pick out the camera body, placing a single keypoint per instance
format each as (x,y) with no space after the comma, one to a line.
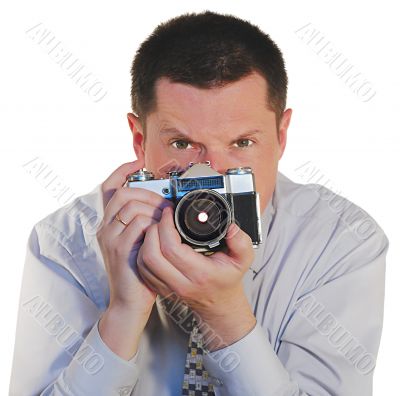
(207,202)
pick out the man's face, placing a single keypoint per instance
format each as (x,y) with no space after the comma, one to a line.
(230,127)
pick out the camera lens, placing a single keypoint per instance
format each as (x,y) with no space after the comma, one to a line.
(202,216)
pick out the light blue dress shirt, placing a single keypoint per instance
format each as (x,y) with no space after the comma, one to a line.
(316,288)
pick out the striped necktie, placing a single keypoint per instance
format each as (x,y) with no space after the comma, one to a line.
(195,381)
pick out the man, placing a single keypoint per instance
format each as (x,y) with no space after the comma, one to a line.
(111,307)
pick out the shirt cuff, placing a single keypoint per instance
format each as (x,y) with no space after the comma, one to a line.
(247,367)
(96,370)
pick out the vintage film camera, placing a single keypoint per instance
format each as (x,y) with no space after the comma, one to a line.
(206,202)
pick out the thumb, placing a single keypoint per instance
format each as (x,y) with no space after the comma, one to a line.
(118,178)
(240,245)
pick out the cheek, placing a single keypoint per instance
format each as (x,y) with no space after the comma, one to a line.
(155,155)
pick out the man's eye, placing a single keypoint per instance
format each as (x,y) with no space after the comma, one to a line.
(243,143)
(180,144)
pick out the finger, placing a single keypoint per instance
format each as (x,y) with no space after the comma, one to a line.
(132,208)
(118,178)
(133,234)
(126,194)
(155,262)
(179,254)
(150,280)
(127,215)
(240,246)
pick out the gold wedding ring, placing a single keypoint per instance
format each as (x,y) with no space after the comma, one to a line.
(120,220)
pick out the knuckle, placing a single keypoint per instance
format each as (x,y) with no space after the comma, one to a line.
(124,194)
(203,279)
(131,206)
(182,291)
(169,251)
(140,223)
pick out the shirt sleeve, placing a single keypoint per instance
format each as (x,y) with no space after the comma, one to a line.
(58,349)
(330,343)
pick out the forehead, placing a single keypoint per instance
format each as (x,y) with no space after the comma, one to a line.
(245,99)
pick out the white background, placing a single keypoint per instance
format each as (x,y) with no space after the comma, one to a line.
(45,115)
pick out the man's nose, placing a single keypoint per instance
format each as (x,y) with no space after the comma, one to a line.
(217,161)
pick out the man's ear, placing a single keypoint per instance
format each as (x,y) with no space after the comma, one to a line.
(137,133)
(283,127)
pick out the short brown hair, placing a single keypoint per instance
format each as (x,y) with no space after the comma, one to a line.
(206,50)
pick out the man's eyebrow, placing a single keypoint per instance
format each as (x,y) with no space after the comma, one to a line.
(174,131)
(250,132)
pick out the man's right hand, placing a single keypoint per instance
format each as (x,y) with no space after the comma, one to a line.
(131,300)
